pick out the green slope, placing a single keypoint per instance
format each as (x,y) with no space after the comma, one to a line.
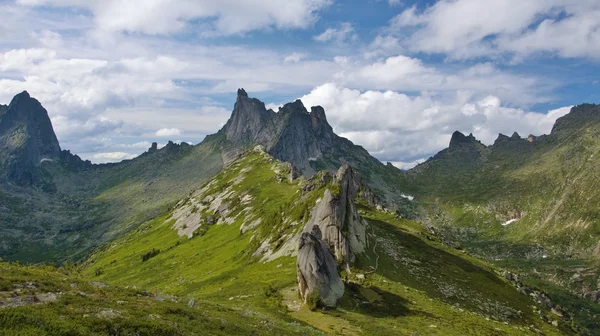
(38,300)
(412,284)
(95,204)
(545,193)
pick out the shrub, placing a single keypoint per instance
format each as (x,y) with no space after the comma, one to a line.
(150,254)
(313,300)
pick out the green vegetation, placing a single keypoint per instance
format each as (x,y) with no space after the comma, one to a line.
(44,300)
(411,285)
(531,208)
(150,254)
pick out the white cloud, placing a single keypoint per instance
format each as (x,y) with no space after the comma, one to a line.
(396,127)
(48,38)
(472,28)
(341,34)
(112,157)
(403,73)
(294,57)
(407,165)
(167,132)
(23,59)
(169,16)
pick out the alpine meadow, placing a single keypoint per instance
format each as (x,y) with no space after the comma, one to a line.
(388,168)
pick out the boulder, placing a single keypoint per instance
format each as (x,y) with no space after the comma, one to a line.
(317,270)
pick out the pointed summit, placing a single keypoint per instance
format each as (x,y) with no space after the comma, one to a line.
(247,121)
(27,139)
(293,134)
(459,139)
(241,93)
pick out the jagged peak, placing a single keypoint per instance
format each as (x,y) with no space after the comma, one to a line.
(579,116)
(22,95)
(459,139)
(515,135)
(318,112)
(241,93)
(294,107)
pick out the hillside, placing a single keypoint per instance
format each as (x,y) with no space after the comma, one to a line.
(70,206)
(234,241)
(530,205)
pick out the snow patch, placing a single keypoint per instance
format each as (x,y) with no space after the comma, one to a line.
(408,197)
(508,222)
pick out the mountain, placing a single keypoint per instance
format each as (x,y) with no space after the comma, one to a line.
(68,206)
(306,140)
(246,239)
(26,139)
(529,205)
(275,214)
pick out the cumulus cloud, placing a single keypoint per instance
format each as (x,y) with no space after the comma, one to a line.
(164,17)
(404,73)
(167,132)
(404,129)
(568,28)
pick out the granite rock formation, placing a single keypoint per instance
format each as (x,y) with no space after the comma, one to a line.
(317,270)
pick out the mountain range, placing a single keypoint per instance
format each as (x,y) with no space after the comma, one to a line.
(275,214)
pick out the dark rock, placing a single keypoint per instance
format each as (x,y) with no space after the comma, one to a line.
(211,220)
(26,140)
(458,140)
(153,148)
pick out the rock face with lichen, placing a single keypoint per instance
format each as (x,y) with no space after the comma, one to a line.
(317,270)
(342,228)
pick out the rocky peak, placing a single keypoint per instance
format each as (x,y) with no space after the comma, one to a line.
(319,120)
(512,142)
(153,148)
(460,140)
(292,135)
(241,93)
(26,139)
(579,116)
(248,120)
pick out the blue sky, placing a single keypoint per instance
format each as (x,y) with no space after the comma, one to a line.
(397,77)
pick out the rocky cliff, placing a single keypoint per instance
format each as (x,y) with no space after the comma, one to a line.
(26,140)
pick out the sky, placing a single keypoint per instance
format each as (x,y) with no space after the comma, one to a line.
(397,77)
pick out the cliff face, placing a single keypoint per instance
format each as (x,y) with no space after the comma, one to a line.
(26,140)
(293,134)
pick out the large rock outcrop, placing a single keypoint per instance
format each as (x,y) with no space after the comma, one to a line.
(26,140)
(342,228)
(318,276)
(293,134)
